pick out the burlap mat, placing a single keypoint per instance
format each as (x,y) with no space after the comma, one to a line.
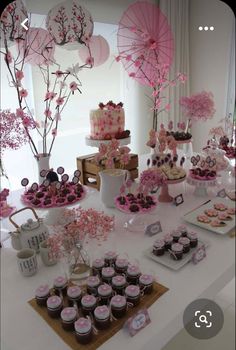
(103,335)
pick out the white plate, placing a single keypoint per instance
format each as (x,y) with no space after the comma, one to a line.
(191,217)
(169,262)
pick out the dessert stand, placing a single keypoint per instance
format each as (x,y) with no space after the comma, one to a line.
(164,196)
(201,185)
(96,143)
(55,210)
(137,221)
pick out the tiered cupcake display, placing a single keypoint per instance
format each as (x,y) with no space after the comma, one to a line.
(54,191)
(202,174)
(90,309)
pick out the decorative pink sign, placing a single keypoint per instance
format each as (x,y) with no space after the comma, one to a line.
(137,322)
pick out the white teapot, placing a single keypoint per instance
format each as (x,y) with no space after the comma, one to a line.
(29,234)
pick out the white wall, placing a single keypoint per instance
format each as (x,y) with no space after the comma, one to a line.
(209,58)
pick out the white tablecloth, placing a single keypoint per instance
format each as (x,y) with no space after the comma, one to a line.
(21,327)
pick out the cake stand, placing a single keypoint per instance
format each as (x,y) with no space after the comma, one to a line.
(201,185)
(137,221)
(96,143)
(164,196)
(187,147)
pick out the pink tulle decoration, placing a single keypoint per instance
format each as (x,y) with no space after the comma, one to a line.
(199,106)
(70,24)
(39,46)
(97,48)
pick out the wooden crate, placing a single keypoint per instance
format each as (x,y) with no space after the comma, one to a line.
(89,169)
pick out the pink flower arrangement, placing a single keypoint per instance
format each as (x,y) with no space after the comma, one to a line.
(14,131)
(199,106)
(152,178)
(53,77)
(84,224)
(110,154)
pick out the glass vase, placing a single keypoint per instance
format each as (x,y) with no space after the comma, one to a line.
(78,263)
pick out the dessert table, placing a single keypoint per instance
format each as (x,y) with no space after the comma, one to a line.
(21,325)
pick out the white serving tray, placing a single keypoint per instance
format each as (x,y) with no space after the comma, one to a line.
(169,262)
(191,217)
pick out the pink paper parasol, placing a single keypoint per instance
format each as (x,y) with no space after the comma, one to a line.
(38,47)
(70,24)
(144,41)
(97,49)
(10,22)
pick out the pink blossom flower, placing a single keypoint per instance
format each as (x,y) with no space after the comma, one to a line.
(50,95)
(155,93)
(26,122)
(19,75)
(128,58)
(89,61)
(54,132)
(137,63)
(132,75)
(117,58)
(48,113)
(60,101)
(114,144)
(182,77)
(20,113)
(57,116)
(73,86)
(59,74)
(23,93)
(110,163)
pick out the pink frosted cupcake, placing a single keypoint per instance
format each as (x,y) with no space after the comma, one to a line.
(133,274)
(177,251)
(107,274)
(185,241)
(54,306)
(97,266)
(118,306)
(60,285)
(110,258)
(104,293)
(42,293)
(121,265)
(146,283)
(102,317)
(88,304)
(74,295)
(68,318)
(119,284)
(83,330)
(92,284)
(132,294)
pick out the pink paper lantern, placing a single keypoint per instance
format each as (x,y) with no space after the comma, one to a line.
(97,51)
(10,22)
(39,46)
(69,23)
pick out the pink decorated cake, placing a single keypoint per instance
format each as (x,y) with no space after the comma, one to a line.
(108,121)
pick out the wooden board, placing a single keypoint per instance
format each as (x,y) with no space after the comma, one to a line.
(103,335)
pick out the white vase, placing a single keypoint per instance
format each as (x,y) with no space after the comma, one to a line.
(111,182)
(43,164)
